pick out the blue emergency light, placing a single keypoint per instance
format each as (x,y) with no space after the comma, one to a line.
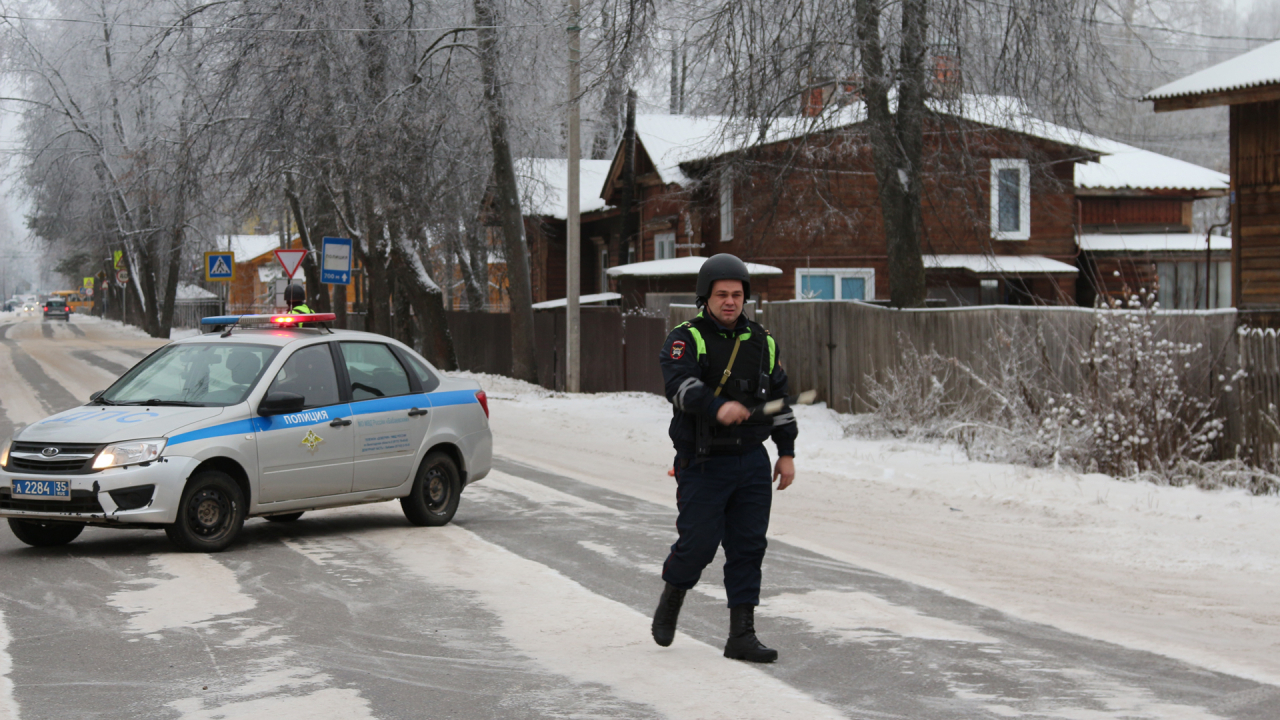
(279,320)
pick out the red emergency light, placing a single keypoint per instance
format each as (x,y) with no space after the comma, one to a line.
(303,318)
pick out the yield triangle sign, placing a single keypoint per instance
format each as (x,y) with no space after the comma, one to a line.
(291,260)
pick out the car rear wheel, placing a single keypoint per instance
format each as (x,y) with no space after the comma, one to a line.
(211,514)
(436,491)
(38,533)
(286,518)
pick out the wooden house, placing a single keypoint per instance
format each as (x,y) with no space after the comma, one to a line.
(999,217)
(1135,230)
(1250,85)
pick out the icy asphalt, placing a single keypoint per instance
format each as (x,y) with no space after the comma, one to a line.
(533,604)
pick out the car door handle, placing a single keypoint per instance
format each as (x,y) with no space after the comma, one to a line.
(339,422)
(415,412)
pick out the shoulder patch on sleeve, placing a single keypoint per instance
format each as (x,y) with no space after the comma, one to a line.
(677,350)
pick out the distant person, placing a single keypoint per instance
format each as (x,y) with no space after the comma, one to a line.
(716,367)
(295,298)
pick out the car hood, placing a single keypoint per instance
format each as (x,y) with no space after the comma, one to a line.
(106,423)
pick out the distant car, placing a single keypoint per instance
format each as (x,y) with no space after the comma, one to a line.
(272,422)
(57,308)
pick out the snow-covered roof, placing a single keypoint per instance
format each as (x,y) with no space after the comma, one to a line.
(544,185)
(248,247)
(1128,167)
(193,292)
(1256,67)
(674,139)
(582,300)
(1151,242)
(999,264)
(678,267)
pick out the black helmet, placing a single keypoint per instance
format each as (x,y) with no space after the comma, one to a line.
(723,267)
(294,295)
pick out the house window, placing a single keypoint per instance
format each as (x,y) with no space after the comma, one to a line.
(664,245)
(1010,199)
(604,267)
(835,284)
(726,206)
(1182,285)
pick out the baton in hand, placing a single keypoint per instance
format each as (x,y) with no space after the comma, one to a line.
(773,407)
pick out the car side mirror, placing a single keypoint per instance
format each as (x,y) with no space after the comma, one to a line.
(281,403)
(96,395)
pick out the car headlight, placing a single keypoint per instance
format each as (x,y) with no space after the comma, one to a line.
(129,453)
(4,455)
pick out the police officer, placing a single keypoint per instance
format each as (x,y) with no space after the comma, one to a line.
(295,297)
(717,368)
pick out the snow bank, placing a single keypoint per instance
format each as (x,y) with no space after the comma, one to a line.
(1187,573)
(8,707)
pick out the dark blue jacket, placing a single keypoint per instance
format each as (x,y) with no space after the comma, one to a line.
(694,358)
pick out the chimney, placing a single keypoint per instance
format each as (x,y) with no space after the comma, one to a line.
(813,100)
(947,80)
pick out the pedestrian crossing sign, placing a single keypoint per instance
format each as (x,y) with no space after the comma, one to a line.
(219,266)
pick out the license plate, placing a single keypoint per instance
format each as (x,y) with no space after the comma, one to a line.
(42,489)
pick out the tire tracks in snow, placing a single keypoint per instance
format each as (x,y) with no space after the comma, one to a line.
(52,396)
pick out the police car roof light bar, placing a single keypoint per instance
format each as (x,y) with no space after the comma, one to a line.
(278,320)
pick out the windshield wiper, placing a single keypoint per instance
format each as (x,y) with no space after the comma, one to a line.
(103,401)
(157,401)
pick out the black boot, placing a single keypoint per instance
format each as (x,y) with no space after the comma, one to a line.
(664,618)
(743,643)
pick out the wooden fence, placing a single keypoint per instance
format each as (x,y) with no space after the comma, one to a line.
(836,348)
(1260,392)
(618,352)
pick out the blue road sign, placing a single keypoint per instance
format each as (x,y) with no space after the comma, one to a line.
(335,265)
(219,266)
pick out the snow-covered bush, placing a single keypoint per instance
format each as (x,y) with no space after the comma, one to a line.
(1135,405)
(1139,407)
(994,411)
(912,401)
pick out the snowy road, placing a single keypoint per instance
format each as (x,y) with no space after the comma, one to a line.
(533,604)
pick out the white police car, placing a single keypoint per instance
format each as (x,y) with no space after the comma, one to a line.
(256,421)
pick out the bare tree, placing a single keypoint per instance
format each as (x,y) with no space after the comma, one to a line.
(507,198)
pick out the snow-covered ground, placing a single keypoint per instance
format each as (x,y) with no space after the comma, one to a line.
(1183,572)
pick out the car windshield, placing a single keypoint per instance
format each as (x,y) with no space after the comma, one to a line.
(198,374)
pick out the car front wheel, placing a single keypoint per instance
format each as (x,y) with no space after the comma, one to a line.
(211,514)
(434,498)
(38,533)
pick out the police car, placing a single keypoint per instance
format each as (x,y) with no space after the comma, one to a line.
(269,416)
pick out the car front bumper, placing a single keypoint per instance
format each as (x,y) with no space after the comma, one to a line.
(168,475)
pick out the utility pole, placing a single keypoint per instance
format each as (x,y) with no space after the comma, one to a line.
(573,242)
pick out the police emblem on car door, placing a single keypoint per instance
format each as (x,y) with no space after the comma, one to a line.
(307,453)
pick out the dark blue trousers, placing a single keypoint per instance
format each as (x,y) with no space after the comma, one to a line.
(723,499)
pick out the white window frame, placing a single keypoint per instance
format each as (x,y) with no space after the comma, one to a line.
(726,205)
(868,276)
(660,241)
(1024,199)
